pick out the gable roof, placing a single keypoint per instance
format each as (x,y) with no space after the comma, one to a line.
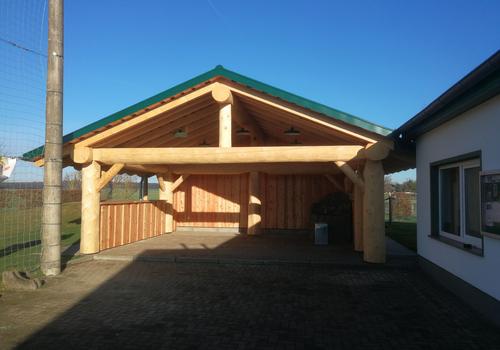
(219,71)
(475,88)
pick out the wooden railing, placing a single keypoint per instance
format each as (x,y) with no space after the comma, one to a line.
(127,222)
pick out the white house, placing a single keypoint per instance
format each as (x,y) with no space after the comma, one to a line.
(457,139)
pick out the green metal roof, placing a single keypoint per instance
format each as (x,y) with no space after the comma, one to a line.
(219,71)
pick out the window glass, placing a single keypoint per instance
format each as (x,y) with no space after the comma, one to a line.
(472,206)
(450,200)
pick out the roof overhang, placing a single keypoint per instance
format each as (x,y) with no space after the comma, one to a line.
(327,117)
(480,85)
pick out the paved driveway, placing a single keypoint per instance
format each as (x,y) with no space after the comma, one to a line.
(109,304)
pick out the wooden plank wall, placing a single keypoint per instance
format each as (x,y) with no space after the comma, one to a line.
(126,222)
(287,199)
(221,200)
(212,201)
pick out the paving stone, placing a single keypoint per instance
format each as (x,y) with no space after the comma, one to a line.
(146,305)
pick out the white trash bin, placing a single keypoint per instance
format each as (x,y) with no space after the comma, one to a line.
(321,234)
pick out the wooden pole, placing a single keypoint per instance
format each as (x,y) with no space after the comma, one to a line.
(167,195)
(254,204)
(373,213)
(89,241)
(390,208)
(51,224)
(225,133)
(358,218)
(145,188)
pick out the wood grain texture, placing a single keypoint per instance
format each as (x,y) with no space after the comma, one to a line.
(127,222)
(215,201)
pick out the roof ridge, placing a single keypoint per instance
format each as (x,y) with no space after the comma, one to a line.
(219,70)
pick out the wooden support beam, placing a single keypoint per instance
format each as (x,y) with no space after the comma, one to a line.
(109,175)
(350,173)
(145,188)
(145,169)
(306,115)
(348,185)
(161,183)
(89,241)
(334,182)
(167,194)
(179,181)
(222,94)
(225,125)
(268,168)
(373,213)
(358,218)
(154,113)
(217,155)
(254,204)
(376,151)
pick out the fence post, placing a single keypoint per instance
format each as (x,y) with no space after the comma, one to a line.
(51,227)
(390,207)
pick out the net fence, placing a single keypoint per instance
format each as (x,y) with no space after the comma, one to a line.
(23,65)
(401,207)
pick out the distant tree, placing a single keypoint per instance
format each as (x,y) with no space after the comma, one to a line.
(125,183)
(73,181)
(406,186)
(388,184)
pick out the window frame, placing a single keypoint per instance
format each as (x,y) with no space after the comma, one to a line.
(463,236)
(470,160)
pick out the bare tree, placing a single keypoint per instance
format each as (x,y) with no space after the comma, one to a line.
(388,184)
(73,181)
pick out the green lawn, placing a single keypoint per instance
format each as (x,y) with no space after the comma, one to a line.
(403,232)
(20,235)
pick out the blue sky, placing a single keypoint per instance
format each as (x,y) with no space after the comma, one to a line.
(380,60)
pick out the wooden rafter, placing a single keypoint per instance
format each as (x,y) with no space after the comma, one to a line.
(304,114)
(146,116)
(166,132)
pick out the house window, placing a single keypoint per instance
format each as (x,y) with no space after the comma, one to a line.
(459,206)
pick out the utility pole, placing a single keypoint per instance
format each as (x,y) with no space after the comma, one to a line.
(52,179)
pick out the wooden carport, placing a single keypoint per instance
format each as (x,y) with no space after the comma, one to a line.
(222,130)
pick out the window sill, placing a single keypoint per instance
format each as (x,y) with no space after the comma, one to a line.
(472,250)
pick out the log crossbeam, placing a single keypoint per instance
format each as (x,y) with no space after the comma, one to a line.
(217,155)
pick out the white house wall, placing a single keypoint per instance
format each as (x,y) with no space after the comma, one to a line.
(477,129)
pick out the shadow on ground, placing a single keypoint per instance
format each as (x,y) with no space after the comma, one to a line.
(140,304)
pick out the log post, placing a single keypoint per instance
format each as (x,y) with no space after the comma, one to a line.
(145,188)
(373,212)
(89,242)
(50,260)
(225,133)
(358,218)
(254,204)
(168,196)
(223,96)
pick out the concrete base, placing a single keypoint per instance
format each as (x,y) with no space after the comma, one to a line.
(477,299)
(16,280)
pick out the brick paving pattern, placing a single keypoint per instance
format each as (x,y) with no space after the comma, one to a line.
(102,304)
